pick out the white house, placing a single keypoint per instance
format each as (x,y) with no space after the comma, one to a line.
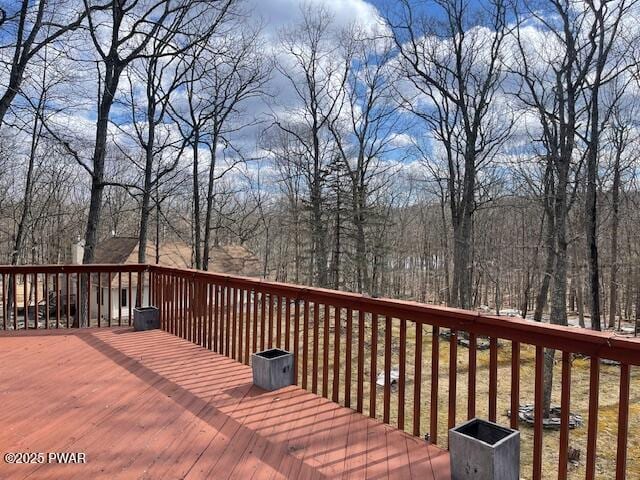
(229,259)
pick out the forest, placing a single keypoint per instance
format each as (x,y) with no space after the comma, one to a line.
(481,155)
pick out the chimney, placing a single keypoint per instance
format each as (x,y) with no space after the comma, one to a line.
(77,251)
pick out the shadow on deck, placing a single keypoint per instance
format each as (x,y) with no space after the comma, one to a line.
(152,405)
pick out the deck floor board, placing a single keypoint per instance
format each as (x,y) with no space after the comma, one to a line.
(153,405)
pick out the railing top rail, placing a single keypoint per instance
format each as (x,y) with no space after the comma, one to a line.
(607,345)
(74,268)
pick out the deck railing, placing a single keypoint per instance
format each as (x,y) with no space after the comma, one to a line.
(54,296)
(402,362)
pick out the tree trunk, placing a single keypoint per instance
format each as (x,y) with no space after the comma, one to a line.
(145,211)
(112,78)
(613,281)
(209,212)
(445,247)
(558,314)
(462,281)
(362,271)
(157,242)
(26,205)
(549,243)
(337,252)
(577,281)
(197,242)
(319,238)
(547,274)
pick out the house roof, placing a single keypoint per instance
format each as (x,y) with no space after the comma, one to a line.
(229,259)
(234,260)
(115,250)
(125,250)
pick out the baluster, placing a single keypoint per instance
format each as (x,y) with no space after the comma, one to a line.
(325,352)
(139,289)
(120,299)
(109,298)
(240,322)
(435,367)
(25,278)
(270,334)
(57,280)
(88,275)
(211,301)
(360,376)
(278,300)
(348,354)
(402,372)
(98,298)
(387,370)
(217,347)
(537,427)
(15,302)
(493,378)
(254,335)
(374,361)
(316,340)
(227,325)
(296,340)
(129,293)
(234,321)
(336,354)
(592,429)
(36,311)
(287,324)
(194,313)
(453,377)
(417,380)
(623,422)
(472,375)
(46,300)
(247,350)
(68,280)
(263,308)
(565,405)
(305,344)
(515,384)
(79,307)
(4,302)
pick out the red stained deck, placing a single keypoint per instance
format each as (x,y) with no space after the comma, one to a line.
(151,405)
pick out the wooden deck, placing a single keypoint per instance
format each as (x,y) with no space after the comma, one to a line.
(151,405)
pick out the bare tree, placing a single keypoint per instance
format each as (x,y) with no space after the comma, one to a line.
(237,74)
(39,93)
(552,85)
(143,23)
(161,73)
(459,69)
(364,131)
(620,139)
(287,155)
(316,69)
(226,75)
(34,26)
(603,37)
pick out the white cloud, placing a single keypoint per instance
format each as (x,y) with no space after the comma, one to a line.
(401,140)
(278,14)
